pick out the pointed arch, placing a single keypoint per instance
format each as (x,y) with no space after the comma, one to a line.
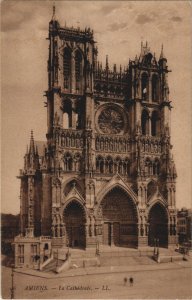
(155,123)
(74,217)
(145,122)
(100,164)
(156,167)
(68,161)
(70,184)
(155,87)
(67,114)
(158,224)
(78,69)
(144,86)
(116,181)
(67,68)
(119,212)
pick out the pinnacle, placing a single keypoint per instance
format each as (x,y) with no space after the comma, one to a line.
(32,144)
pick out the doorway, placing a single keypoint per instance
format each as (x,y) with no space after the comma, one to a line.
(158,226)
(74,218)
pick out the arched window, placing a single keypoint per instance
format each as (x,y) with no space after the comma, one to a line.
(110,166)
(78,66)
(155,88)
(102,166)
(144,86)
(67,114)
(46,246)
(68,162)
(145,122)
(148,167)
(154,123)
(67,68)
(66,121)
(156,167)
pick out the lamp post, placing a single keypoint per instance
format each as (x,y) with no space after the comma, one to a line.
(12,283)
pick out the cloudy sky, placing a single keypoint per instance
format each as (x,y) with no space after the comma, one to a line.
(119,27)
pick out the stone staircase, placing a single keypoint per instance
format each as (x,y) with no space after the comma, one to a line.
(52,265)
(117,256)
(168,255)
(108,256)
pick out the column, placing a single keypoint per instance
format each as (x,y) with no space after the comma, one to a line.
(112,235)
(150,90)
(73,81)
(74,116)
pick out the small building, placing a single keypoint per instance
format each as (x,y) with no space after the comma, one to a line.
(184,224)
(32,252)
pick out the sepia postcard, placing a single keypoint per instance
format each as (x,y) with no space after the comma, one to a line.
(96,150)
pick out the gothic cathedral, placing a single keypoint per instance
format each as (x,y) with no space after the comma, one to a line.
(106,172)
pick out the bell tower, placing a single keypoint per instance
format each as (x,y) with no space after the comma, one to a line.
(70,107)
(150,108)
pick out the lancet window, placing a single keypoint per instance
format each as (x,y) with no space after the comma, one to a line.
(78,67)
(154,123)
(67,68)
(67,114)
(145,122)
(155,88)
(144,86)
(109,165)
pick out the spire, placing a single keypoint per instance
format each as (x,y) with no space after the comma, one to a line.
(53,16)
(142,49)
(32,144)
(162,56)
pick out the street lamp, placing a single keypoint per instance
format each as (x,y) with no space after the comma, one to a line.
(12,282)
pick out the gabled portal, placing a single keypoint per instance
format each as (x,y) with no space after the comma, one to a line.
(74,218)
(158,226)
(119,219)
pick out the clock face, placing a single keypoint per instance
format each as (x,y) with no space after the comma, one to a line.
(110,121)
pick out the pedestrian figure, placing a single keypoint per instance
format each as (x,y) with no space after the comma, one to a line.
(131,281)
(125,280)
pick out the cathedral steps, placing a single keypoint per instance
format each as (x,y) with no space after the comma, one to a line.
(126,260)
(54,263)
(108,256)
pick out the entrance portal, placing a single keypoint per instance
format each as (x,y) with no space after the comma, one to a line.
(158,226)
(74,218)
(119,219)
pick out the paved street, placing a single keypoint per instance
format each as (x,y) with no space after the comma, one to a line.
(160,283)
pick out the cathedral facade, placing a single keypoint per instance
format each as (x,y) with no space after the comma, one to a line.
(106,172)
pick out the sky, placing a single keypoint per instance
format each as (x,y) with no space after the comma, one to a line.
(119,27)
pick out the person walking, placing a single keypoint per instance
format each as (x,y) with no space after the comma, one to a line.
(125,281)
(131,281)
